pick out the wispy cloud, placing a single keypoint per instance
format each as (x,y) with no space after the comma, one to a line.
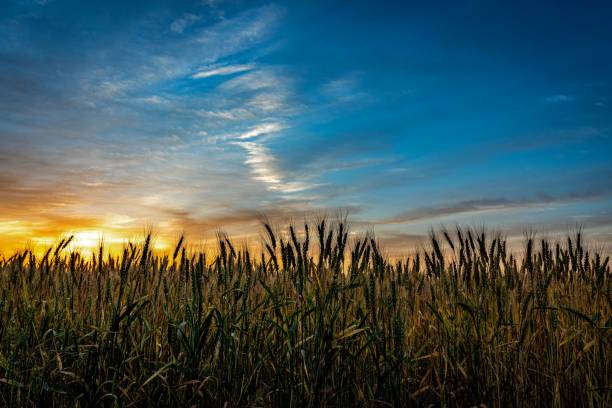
(246,30)
(228,115)
(179,25)
(263,164)
(254,81)
(262,129)
(222,70)
(558,98)
(148,62)
(343,89)
(261,103)
(489,204)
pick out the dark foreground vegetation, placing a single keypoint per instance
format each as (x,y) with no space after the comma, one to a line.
(312,321)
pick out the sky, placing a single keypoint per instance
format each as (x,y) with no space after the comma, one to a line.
(203,116)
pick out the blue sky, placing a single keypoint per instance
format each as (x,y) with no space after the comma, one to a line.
(191,116)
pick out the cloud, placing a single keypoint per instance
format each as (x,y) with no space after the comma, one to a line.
(20,196)
(248,220)
(233,114)
(344,89)
(268,92)
(268,102)
(268,110)
(241,32)
(149,61)
(155,100)
(254,81)
(222,70)
(261,163)
(488,204)
(264,168)
(179,25)
(111,89)
(592,221)
(461,207)
(214,7)
(213,3)
(558,98)
(262,129)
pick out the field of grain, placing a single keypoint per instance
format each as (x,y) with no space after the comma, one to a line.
(315,319)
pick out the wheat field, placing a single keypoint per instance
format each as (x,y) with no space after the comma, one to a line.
(315,319)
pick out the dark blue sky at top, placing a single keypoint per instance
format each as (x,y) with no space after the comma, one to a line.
(409,113)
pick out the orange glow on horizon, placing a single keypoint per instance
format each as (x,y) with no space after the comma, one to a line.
(18,235)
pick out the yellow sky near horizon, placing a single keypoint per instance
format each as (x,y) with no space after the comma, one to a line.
(17,235)
(115,232)
(245,231)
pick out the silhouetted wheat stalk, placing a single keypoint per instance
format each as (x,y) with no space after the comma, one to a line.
(464,323)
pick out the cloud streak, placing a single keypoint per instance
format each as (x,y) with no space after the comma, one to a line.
(488,205)
(262,129)
(179,25)
(222,70)
(558,98)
